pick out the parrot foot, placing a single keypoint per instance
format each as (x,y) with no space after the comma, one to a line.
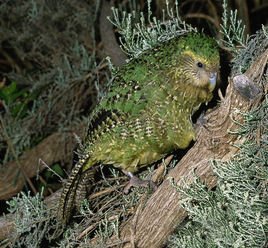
(137,182)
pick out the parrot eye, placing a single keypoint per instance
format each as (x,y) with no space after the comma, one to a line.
(200,65)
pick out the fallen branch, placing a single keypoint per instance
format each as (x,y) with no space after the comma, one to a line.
(56,147)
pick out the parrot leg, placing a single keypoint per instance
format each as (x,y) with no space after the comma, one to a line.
(137,182)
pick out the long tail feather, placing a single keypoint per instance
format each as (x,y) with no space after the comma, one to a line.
(69,192)
(86,182)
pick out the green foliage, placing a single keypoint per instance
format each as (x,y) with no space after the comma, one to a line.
(107,228)
(139,33)
(256,45)
(15,99)
(232,29)
(50,50)
(32,220)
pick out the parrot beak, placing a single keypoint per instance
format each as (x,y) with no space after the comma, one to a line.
(212,80)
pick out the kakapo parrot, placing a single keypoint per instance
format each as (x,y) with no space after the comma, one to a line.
(146,113)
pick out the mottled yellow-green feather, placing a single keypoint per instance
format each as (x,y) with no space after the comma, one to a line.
(147,111)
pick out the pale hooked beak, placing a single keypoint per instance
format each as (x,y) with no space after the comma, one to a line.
(213,79)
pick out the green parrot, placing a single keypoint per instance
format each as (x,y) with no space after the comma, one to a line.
(146,113)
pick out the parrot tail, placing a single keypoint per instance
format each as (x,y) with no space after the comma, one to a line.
(75,189)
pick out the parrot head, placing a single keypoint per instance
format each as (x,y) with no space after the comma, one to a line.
(200,61)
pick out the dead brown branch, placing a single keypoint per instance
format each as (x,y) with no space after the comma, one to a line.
(52,149)
(108,38)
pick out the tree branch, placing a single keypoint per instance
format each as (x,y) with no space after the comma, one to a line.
(54,148)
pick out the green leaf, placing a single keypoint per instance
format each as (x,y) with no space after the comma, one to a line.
(19,110)
(57,168)
(7,92)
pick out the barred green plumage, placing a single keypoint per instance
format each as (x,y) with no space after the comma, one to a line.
(147,111)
